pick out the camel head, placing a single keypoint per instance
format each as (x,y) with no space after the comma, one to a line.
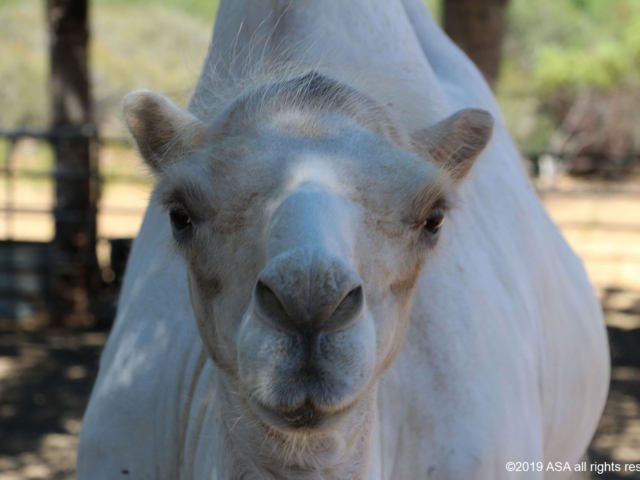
(304,214)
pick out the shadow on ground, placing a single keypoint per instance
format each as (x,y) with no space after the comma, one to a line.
(46,378)
(45,382)
(617,440)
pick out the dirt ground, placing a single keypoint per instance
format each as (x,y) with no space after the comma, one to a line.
(46,376)
(604,230)
(45,382)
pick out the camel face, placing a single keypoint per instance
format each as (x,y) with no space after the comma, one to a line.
(303,227)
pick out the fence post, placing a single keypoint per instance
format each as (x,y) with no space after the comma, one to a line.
(74,269)
(477,27)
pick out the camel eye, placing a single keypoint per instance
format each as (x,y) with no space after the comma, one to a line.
(180,219)
(434,222)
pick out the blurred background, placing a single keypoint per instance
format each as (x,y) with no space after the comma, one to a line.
(73,191)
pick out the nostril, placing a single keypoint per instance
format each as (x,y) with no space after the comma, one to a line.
(347,311)
(268,304)
(351,300)
(290,307)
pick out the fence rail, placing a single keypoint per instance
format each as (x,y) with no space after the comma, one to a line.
(11,173)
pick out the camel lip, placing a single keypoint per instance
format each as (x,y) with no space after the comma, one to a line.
(306,416)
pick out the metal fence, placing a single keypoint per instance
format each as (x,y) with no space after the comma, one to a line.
(26,267)
(11,172)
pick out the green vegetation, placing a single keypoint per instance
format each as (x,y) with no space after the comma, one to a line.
(23,66)
(134,45)
(557,48)
(202,9)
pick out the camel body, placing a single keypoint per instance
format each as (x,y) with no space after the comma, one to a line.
(505,358)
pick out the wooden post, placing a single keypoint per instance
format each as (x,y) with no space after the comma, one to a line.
(74,266)
(477,27)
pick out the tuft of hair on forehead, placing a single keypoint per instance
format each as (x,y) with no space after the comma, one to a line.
(312,94)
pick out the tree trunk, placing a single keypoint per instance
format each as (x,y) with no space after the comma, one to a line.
(74,250)
(477,27)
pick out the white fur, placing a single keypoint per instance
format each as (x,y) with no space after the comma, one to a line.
(505,357)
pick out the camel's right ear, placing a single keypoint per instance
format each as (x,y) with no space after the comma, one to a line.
(162,130)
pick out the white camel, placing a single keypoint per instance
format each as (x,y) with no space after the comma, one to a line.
(324,288)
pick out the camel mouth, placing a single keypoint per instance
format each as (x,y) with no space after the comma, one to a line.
(307,416)
(290,387)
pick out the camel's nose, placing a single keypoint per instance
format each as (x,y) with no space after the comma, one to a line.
(309,291)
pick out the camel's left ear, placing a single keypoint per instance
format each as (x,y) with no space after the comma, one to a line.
(162,130)
(455,142)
